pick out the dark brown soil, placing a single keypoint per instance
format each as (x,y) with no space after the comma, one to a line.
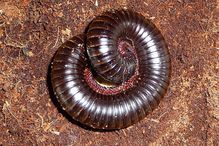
(30,33)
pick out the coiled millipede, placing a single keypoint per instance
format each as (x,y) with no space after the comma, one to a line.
(115,73)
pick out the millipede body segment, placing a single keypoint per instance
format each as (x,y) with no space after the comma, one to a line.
(115,73)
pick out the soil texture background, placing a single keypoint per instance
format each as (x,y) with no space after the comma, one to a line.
(32,30)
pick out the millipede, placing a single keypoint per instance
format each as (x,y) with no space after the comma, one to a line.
(113,74)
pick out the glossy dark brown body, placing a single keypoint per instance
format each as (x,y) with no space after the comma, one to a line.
(104,34)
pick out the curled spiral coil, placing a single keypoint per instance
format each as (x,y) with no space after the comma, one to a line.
(113,75)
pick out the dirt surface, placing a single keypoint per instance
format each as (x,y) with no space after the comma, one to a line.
(30,33)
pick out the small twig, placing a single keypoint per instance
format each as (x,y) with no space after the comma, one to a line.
(161,115)
(12,43)
(57,39)
(124,132)
(7,107)
(42,121)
